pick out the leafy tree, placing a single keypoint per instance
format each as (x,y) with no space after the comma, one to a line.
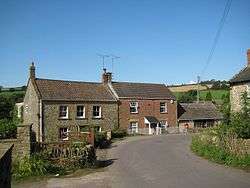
(188,97)
(6,107)
(209,96)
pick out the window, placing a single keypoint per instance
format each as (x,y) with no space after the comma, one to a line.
(98,129)
(134,127)
(80,111)
(133,107)
(97,112)
(84,128)
(163,107)
(63,112)
(64,133)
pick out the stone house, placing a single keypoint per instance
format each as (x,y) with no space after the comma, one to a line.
(56,108)
(239,84)
(144,108)
(198,115)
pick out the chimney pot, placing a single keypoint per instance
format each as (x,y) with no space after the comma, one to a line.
(106,77)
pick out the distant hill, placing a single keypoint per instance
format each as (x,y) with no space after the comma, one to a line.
(189,87)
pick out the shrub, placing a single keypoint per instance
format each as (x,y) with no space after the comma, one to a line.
(33,166)
(118,133)
(8,129)
(101,140)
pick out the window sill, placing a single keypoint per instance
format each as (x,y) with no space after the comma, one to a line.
(64,118)
(134,112)
(163,112)
(81,118)
(97,118)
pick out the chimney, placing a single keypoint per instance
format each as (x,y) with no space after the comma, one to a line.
(106,77)
(248,57)
(32,71)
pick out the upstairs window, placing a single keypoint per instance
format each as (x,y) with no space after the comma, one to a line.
(63,112)
(163,107)
(80,111)
(64,133)
(133,107)
(97,112)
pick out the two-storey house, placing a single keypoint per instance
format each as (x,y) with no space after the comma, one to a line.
(239,84)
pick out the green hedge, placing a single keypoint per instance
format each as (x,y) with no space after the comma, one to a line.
(217,154)
(118,133)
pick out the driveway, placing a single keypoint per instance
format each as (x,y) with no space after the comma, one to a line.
(159,161)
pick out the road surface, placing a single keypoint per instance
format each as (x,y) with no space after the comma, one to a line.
(158,161)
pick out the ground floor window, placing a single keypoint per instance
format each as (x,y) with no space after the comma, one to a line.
(134,127)
(164,124)
(84,128)
(98,129)
(64,133)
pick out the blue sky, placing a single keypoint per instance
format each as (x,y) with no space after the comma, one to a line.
(164,41)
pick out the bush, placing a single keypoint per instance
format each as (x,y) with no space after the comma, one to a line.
(33,166)
(101,140)
(220,148)
(8,129)
(118,133)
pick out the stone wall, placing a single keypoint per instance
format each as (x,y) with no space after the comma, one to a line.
(5,166)
(52,122)
(31,110)
(21,143)
(146,108)
(236,92)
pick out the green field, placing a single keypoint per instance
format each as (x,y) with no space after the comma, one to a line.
(216,94)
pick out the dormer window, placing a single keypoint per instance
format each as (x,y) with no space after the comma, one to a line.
(63,112)
(133,107)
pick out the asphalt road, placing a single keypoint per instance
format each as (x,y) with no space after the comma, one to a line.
(159,161)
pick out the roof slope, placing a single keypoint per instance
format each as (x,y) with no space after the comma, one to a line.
(198,111)
(242,76)
(73,90)
(142,90)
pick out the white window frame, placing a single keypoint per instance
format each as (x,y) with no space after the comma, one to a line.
(133,104)
(164,125)
(164,108)
(63,132)
(83,111)
(67,112)
(134,127)
(100,112)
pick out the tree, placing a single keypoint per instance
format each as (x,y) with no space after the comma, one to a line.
(209,96)
(188,97)
(7,106)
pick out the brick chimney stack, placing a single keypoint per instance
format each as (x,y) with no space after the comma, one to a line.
(32,71)
(248,57)
(106,77)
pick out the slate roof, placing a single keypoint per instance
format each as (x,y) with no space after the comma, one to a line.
(198,111)
(73,90)
(142,90)
(242,76)
(152,119)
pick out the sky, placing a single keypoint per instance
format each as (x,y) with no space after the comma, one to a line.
(164,41)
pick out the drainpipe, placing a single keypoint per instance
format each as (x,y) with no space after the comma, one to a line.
(41,121)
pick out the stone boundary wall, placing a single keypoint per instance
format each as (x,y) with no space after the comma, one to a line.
(21,143)
(5,166)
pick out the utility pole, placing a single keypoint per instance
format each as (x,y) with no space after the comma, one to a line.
(198,88)
(103,56)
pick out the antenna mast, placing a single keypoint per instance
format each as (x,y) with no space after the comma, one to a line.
(103,56)
(113,57)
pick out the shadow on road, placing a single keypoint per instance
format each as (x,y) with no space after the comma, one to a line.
(105,163)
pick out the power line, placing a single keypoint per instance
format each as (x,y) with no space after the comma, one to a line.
(221,24)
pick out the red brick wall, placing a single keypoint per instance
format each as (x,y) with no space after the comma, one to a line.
(146,108)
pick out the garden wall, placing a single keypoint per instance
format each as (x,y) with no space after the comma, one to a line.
(5,166)
(21,143)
